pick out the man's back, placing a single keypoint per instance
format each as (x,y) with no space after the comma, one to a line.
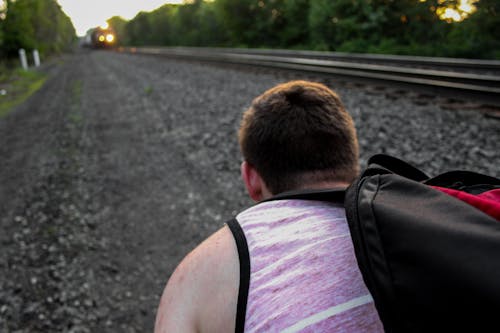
(303,270)
(303,274)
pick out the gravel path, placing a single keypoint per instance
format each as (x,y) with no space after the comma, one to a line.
(121,164)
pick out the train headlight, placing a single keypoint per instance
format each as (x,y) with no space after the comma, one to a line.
(110,38)
(101,38)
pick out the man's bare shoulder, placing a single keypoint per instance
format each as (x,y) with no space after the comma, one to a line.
(201,295)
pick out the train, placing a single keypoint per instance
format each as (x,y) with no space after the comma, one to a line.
(102,37)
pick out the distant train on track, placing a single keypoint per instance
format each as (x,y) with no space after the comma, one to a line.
(100,38)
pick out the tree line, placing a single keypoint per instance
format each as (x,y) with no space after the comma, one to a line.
(34,24)
(369,26)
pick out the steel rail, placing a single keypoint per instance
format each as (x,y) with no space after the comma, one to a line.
(487,85)
(459,63)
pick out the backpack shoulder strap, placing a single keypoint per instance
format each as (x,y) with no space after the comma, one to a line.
(461,180)
(397,166)
(380,164)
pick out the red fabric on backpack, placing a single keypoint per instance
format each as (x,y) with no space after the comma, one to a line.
(488,202)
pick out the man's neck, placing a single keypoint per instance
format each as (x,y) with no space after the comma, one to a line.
(312,186)
(323,185)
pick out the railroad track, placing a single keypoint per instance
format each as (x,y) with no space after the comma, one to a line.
(458,77)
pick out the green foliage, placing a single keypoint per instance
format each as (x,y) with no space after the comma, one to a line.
(3,11)
(211,30)
(119,23)
(295,32)
(34,24)
(161,25)
(19,85)
(139,30)
(375,26)
(479,36)
(238,18)
(148,90)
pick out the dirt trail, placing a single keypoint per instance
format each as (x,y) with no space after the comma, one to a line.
(109,178)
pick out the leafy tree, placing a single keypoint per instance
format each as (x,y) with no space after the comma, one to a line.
(380,26)
(480,34)
(162,25)
(139,30)
(187,24)
(17,27)
(118,23)
(193,23)
(211,31)
(31,24)
(272,23)
(295,32)
(3,11)
(238,18)
(333,22)
(402,26)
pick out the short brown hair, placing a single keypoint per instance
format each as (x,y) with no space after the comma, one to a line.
(299,132)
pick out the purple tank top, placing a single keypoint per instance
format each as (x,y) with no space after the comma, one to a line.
(303,271)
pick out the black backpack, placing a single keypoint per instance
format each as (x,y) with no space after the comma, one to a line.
(430,260)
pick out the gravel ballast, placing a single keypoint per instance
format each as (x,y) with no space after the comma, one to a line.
(121,164)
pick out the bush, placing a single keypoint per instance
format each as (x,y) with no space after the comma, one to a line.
(34,24)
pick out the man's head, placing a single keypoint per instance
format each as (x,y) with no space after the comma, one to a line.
(298,134)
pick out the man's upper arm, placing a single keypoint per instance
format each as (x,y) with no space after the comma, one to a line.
(201,295)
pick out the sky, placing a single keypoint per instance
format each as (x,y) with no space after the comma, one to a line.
(92,13)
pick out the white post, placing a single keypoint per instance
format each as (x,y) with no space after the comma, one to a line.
(22,56)
(36,58)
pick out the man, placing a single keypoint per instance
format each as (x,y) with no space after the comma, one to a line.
(283,265)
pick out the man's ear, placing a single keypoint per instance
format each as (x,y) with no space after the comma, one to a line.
(253,181)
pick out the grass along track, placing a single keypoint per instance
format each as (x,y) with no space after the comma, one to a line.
(16,86)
